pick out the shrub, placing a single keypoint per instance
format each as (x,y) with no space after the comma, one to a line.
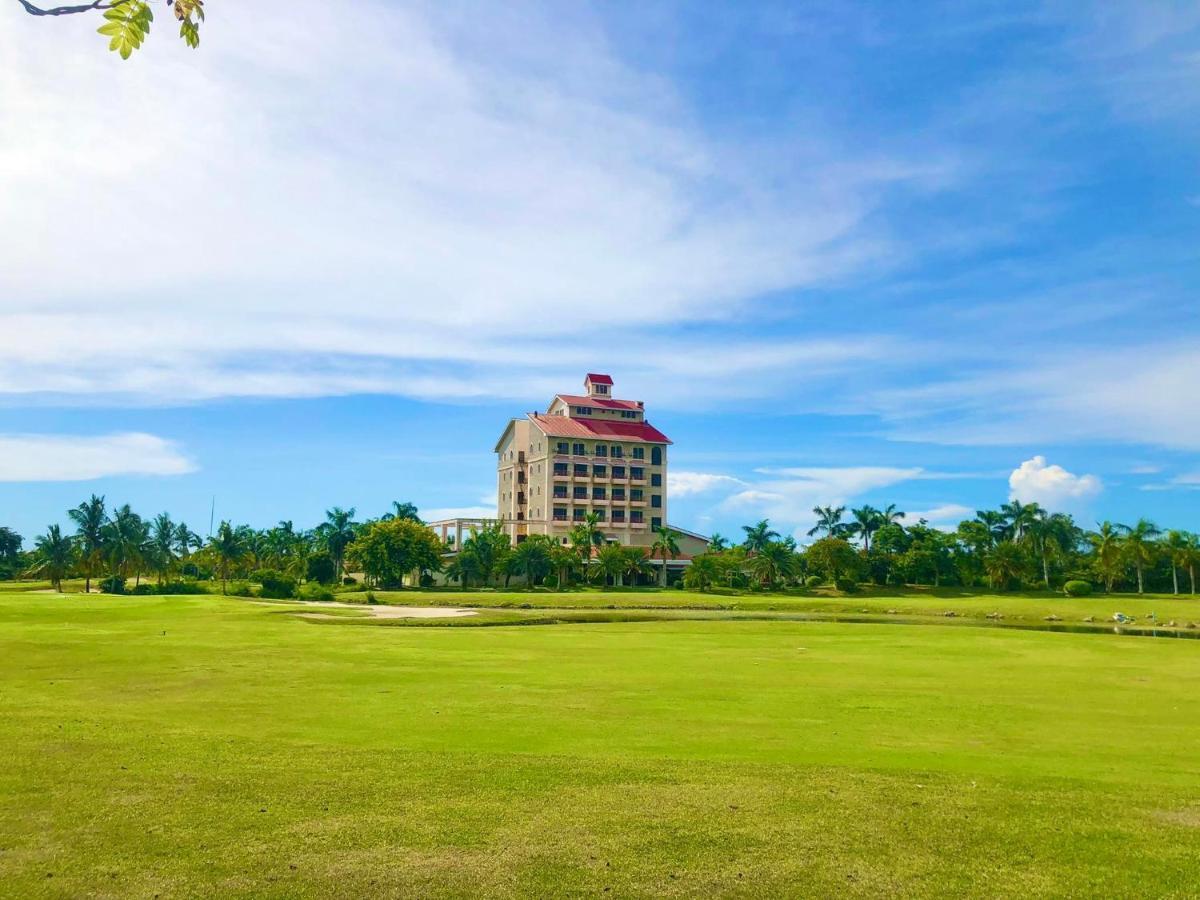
(550,581)
(113,584)
(371,597)
(1077,588)
(180,587)
(813,581)
(846,585)
(426,580)
(349,579)
(275,585)
(315,592)
(320,568)
(241,589)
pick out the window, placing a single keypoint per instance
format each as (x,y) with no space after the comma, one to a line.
(618,472)
(656,456)
(600,471)
(628,414)
(581,468)
(560,514)
(578,515)
(578,450)
(601,450)
(655,479)
(618,515)
(561,447)
(583,410)
(600,514)
(637,473)
(600,388)
(639,452)
(618,493)
(560,491)
(617,451)
(560,468)
(635,494)
(656,522)
(599,493)
(580,492)
(656,501)
(636,517)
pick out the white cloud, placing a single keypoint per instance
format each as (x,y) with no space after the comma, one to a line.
(946,516)
(458,512)
(1052,486)
(375,194)
(56,457)
(684,484)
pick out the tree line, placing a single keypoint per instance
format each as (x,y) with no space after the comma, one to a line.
(1020,545)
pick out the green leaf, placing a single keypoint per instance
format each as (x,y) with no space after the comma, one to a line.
(127,26)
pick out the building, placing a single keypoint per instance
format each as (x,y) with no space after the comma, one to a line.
(587,453)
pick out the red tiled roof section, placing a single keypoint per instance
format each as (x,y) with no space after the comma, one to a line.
(561,426)
(605,402)
(598,379)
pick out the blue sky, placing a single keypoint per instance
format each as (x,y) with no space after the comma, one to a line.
(931,254)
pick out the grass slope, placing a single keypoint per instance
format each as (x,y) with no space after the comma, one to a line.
(195,746)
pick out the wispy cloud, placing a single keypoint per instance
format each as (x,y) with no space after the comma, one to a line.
(54,457)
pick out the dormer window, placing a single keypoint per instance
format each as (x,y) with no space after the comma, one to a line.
(598,385)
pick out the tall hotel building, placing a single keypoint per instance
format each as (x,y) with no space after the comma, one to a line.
(587,453)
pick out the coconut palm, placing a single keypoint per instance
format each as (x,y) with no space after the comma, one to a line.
(89,518)
(402,511)
(1177,545)
(758,536)
(1051,535)
(866,521)
(585,538)
(773,564)
(665,545)
(162,545)
(610,559)
(228,549)
(890,515)
(338,530)
(54,553)
(829,521)
(1107,552)
(717,542)
(1191,556)
(124,538)
(1140,546)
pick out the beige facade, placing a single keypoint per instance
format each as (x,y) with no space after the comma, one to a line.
(588,452)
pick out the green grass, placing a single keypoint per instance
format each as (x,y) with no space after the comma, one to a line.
(198,746)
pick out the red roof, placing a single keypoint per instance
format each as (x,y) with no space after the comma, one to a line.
(597,379)
(562,426)
(606,402)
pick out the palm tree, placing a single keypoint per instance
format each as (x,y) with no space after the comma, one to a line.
(1004,564)
(162,545)
(636,564)
(531,558)
(229,549)
(717,542)
(563,559)
(1050,535)
(703,573)
(1140,546)
(124,536)
(338,529)
(758,536)
(402,511)
(1106,550)
(1178,547)
(829,521)
(1191,556)
(1019,517)
(55,553)
(995,522)
(665,546)
(774,563)
(867,520)
(186,541)
(611,561)
(890,515)
(585,538)
(89,519)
